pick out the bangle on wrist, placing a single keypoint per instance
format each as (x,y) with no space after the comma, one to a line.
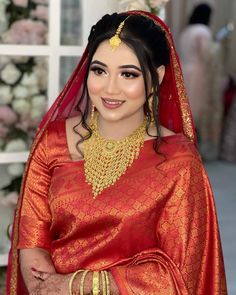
(96,288)
(104,287)
(107,283)
(81,288)
(72,280)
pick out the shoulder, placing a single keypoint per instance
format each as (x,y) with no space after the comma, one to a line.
(179,149)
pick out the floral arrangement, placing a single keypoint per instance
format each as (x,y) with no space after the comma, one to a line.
(23,86)
(154,6)
(23,21)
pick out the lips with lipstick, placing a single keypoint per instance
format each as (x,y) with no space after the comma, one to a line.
(112,103)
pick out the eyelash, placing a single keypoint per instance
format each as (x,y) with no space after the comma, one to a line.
(128,75)
(96,71)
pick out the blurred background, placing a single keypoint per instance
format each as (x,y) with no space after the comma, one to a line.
(41,42)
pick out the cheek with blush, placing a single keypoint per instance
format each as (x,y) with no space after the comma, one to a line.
(94,86)
(135,90)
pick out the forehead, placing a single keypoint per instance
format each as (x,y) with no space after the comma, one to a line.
(122,55)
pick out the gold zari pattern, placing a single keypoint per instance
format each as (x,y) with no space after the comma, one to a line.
(106,160)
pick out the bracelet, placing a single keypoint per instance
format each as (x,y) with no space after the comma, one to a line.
(81,289)
(72,280)
(96,289)
(107,282)
(104,287)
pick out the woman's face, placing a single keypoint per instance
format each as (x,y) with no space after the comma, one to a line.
(115,83)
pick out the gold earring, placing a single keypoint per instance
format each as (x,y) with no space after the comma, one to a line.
(92,112)
(150,102)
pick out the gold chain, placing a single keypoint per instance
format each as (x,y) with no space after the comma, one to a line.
(106,160)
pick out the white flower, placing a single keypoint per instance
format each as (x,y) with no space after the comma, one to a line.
(21,106)
(33,90)
(158,3)
(3,61)
(39,102)
(20,91)
(126,5)
(4,2)
(5,94)
(10,74)
(29,79)
(41,71)
(15,169)
(36,114)
(20,59)
(16,145)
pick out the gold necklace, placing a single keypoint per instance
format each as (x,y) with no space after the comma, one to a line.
(107,159)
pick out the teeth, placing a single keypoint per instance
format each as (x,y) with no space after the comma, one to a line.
(113,102)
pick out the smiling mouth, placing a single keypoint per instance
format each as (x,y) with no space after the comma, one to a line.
(112,102)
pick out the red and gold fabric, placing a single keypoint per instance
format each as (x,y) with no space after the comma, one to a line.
(155,229)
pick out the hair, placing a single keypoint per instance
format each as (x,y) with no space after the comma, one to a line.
(148,42)
(201,14)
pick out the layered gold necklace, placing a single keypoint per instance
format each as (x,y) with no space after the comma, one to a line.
(106,160)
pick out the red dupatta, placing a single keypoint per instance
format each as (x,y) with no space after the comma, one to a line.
(175,115)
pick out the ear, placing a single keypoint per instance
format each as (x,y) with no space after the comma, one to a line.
(161,72)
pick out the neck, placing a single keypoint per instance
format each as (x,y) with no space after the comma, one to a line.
(121,128)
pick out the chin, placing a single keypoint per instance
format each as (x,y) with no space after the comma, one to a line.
(111,116)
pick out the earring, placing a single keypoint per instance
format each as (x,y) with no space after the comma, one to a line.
(92,112)
(150,102)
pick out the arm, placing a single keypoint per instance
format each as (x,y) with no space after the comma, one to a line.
(188,259)
(34,242)
(40,276)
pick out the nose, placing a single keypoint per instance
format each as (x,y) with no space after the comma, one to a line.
(112,85)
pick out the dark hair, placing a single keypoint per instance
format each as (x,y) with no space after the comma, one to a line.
(148,42)
(201,14)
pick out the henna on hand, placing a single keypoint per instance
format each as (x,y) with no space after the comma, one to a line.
(53,284)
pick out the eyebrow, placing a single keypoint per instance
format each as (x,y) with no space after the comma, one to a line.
(120,67)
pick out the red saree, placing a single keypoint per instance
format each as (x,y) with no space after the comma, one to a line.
(155,229)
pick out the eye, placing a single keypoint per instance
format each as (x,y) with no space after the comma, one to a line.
(130,75)
(97,71)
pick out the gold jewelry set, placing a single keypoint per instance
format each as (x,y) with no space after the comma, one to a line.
(96,290)
(106,160)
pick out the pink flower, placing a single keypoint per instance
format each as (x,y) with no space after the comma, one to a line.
(41,12)
(26,31)
(26,123)
(22,3)
(7,115)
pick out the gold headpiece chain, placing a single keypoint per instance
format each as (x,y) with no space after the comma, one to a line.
(115,40)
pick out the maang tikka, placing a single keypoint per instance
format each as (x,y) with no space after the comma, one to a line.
(115,40)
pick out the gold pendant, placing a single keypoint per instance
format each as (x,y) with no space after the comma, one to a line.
(107,160)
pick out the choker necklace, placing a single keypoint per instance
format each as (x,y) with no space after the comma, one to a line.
(107,159)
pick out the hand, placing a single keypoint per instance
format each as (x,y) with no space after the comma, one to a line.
(50,284)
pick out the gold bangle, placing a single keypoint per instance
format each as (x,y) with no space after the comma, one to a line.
(72,280)
(104,287)
(107,282)
(81,288)
(96,289)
